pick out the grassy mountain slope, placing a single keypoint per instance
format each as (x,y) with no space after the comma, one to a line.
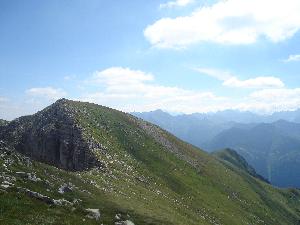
(147,176)
(231,157)
(196,129)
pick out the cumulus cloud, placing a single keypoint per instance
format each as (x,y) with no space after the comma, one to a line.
(119,77)
(134,90)
(230,80)
(276,94)
(257,82)
(228,22)
(11,108)
(69,77)
(292,58)
(49,93)
(177,3)
(271,100)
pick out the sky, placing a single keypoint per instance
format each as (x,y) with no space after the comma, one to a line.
(181,56)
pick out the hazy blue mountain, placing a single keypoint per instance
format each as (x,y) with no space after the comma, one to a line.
(199,128)
(271,144)
(227,116)
(249,117)
(292,116)
(232,116)
(272,149)
(231,157)
(195,128)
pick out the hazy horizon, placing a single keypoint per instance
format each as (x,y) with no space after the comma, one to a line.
(9,118)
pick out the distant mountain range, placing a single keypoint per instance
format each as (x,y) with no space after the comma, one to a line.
(271,144)
(233,116)
(199,128)
(231,157)
(272,149)
(196,129)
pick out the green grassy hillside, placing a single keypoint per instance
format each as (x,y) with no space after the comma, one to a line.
(147,176)
(231,158)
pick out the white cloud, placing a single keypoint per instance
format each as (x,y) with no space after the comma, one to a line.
(177,3)
(119,76)
(49,93)
(257,82)
(218,74)
(13,108)
(271,100)
(69,77)
(230,80)
(276,94)
(228,22)
(134,90)
(292,58)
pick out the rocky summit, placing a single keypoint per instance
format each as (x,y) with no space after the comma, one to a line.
(81,163)
(53,136)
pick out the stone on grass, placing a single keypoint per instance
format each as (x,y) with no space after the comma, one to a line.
(126,222)
(93,214)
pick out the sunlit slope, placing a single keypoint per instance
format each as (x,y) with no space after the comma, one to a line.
(146,175)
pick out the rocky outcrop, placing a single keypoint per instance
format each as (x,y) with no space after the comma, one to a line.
(3,122)
(126,222)
(52,136)
(93,214)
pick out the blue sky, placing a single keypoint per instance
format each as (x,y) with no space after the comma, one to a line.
(139,55)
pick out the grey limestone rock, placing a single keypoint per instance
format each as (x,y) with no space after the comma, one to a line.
(52,136)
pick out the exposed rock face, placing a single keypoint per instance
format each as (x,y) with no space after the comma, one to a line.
(3,122)
(51,136)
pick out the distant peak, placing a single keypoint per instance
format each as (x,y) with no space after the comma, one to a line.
(62,100)
(281,121)
(156,111)
(63,103)
(159,111)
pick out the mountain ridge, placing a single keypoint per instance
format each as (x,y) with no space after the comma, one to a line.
(237,116)
(232,157)
(147,176)
(271,148)
(60,139)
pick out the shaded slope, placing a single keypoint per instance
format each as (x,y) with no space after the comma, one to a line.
(149,174)
(196,129)
(234,159)
(272,149)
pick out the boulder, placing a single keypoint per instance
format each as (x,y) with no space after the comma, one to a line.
(93,214)
(126,222)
